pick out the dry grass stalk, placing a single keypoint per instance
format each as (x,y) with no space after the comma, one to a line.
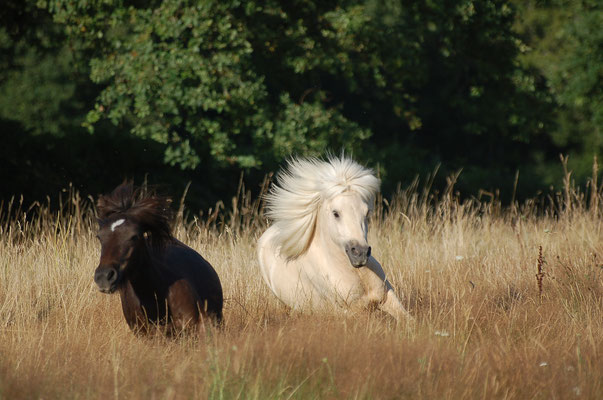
(567,183)
(540,273)
(594,189)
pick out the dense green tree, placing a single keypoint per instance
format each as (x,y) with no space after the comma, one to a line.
(219,87)
(40,73)
(446,88)
(45,95)
(564,44)
(245,83)
(187,74)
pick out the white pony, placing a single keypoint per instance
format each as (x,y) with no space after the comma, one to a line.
(316,255)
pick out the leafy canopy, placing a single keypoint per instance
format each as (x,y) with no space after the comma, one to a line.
(195,77)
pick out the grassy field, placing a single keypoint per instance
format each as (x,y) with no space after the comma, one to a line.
(466,270)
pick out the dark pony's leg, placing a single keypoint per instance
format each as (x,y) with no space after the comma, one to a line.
(133,311)
(182,301)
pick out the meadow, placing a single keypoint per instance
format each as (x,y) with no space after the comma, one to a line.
(508,302)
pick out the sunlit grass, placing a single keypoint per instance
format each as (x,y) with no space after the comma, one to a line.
(465,270)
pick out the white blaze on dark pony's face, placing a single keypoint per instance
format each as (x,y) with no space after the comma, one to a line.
(117,223)
(346,219)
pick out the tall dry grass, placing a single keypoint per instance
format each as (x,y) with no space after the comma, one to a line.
(465,269)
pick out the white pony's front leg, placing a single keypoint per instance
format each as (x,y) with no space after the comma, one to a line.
(380,293)
(393,306)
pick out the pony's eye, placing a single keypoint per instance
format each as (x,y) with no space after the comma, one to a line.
(336,214)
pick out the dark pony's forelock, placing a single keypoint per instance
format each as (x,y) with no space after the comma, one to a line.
(151,211)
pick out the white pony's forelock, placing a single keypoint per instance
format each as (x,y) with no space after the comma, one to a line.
(293,202)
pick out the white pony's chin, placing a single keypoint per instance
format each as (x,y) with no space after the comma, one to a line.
(359,264)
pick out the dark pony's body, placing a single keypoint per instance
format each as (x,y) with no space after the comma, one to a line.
(161,281)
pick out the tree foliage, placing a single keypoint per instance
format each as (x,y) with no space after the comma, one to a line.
(187,74)
(42,82)
(245,82)
(564,43)
(490,86)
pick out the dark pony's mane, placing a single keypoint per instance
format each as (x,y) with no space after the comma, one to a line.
(151,211)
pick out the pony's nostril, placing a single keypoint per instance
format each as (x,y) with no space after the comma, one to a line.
(105,276)
(357,253)
(111,275)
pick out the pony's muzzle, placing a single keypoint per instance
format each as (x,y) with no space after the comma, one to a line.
(357,253)
(105,278)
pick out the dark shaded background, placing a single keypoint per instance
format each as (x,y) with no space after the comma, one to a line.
(489,87)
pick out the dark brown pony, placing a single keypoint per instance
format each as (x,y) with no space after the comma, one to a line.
(162,282)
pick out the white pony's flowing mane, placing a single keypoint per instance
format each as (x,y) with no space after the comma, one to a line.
(301,188)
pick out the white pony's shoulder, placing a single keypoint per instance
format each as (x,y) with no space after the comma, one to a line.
(293,202)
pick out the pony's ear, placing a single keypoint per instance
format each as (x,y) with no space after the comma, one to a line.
(154,214)
(120,199)
(126,192)
(102,207)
